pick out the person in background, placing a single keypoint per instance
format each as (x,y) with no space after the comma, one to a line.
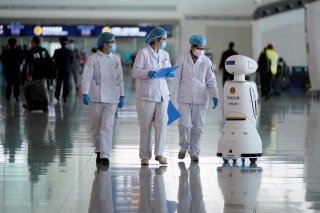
(152,94)
(63,59)
(12,59)
(83,57)
(196,81)
(229,52)
(102,89)
(93,50)
(23,75)
(76,64)
(265,75)
(283,72)
(133,58)
(1,65)
(272,56)
(38,62)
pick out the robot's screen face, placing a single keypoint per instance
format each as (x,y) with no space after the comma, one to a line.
(230,62)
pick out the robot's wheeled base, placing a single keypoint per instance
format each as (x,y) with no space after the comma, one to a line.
(252,160)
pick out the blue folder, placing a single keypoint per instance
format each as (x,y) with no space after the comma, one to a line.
(163,72)
(173,113)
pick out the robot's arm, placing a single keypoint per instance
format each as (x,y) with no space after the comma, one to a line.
(255,90)
(254,97)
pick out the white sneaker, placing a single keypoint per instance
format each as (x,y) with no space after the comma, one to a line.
(161,159)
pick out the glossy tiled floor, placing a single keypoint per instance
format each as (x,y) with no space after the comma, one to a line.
(47,164)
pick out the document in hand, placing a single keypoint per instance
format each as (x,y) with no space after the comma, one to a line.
(163,72)
(173,113)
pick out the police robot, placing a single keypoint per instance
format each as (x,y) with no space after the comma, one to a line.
(240,138)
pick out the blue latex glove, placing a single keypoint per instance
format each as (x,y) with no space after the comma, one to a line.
(86,99)
(171,74)
(121,103)
(152,74)
(215,102)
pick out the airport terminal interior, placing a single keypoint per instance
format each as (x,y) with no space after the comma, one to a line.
(47,158)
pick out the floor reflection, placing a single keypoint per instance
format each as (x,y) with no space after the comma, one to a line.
(239,186)
(13,137)
(47,163)
(64,132)
(190,195)
(312,171)
(152,191)
(41,149)
(101,194)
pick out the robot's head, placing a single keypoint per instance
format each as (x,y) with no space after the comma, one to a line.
(240,65)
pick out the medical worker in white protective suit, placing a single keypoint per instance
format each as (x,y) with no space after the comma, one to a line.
(195,81)
(102,89)
(152,94)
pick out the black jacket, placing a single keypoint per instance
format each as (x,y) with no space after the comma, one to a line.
(263,63)
(11,59)
(63,59)
(39,63)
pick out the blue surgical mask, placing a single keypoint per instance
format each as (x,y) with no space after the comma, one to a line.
(163,45)
(113,48)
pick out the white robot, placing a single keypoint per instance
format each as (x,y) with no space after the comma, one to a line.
(239,186)
(240,138)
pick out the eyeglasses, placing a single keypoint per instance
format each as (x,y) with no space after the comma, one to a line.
(199,48)
(111,42)
(163,39)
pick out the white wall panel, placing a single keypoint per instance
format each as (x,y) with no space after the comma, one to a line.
(313,38)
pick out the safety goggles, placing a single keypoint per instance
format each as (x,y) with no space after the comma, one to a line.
(111,42)
(200,48)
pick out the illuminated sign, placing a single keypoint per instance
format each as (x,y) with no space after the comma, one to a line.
(105,29)
(15,30)
(37,30)
(86,30)
(122,31)
(127,31)
(49,31)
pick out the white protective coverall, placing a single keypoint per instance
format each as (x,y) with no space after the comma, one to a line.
(102,79)
(152,96)
(195,80)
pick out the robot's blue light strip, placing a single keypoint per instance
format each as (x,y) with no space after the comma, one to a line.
(253,108)
(230,62)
